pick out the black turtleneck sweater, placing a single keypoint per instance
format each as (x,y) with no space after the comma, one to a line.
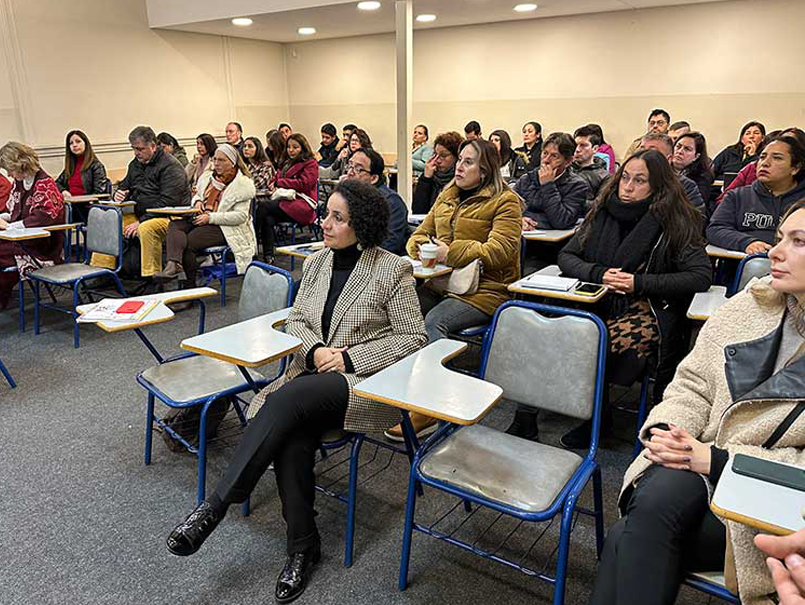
(465,194)
(344,261)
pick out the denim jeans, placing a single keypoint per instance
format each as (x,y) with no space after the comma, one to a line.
(444,314)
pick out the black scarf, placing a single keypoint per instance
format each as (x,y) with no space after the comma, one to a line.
(623,235)
(442,178)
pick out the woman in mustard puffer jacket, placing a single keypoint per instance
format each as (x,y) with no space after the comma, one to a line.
(476,216)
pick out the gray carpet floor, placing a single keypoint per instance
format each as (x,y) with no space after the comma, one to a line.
(83,520)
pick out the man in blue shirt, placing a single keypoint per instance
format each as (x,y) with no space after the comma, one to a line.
(367,165)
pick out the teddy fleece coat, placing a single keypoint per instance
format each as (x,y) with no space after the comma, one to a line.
(722,394)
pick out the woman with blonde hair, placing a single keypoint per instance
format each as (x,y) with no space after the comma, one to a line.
(738,392)
(475,218)
(34,201)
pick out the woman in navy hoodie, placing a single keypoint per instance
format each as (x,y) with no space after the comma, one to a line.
(747,217)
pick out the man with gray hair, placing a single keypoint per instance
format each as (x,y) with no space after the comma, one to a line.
(155,179)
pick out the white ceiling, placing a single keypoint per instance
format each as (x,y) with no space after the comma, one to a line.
(278,20)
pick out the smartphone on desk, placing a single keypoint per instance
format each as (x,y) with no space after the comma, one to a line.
(771,472)
(587,289)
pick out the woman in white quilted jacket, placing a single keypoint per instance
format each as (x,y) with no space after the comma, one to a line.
(222,201)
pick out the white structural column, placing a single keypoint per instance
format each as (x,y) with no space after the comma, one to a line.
(405,76)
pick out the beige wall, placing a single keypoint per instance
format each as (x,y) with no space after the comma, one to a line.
(705,63)
(95,65)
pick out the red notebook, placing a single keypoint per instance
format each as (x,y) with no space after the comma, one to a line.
(131,306)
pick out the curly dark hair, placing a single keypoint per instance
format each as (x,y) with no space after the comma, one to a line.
(368,211)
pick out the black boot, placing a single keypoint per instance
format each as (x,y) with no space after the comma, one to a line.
(188,536)
(524,425)
(292,580)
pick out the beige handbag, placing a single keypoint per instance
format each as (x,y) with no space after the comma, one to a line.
(460,281)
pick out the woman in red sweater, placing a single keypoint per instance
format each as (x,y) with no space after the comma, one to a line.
(299,173)
(83,172)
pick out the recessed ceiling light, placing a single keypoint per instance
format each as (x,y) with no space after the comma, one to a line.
(525,8)
(242,21)
(368,6)
(425,18)
(306,31)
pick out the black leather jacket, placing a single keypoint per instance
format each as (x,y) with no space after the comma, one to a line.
(93,179)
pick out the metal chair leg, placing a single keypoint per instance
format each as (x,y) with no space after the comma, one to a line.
(36,307)
(202,453)
(642,412)
(7,375)
(74,314)
(21,310)
(598,506)
(149,429)
(410,507)
(351,500)
(564,548)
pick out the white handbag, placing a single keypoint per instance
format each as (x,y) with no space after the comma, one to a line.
(290,195)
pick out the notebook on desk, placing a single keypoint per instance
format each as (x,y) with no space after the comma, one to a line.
(540,281)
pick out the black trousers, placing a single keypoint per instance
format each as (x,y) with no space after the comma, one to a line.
(287,431)
(267,214)
(667,530)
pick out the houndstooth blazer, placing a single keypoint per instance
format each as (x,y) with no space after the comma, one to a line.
(377,316)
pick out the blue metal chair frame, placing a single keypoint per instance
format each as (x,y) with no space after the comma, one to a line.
(733,288)
(4,371)
(220,269)
(642,412)
(75,284)
(355,441)
(20,296)
(565,501)
(710,588)
(200,451)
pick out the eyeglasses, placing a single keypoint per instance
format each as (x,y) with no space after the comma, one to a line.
(359,170)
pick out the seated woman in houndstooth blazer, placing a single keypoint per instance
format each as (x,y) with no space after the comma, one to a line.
(356,314)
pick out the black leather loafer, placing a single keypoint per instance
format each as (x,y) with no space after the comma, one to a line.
(188,536)
(292,581)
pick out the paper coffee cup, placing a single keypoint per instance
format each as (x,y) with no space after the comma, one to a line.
(427,253)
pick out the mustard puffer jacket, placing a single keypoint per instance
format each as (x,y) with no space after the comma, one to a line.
(486,227)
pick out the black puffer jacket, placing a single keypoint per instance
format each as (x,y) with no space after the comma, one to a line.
(93,178)
(749,214)
(668,280)
(555,205)
(159,183)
